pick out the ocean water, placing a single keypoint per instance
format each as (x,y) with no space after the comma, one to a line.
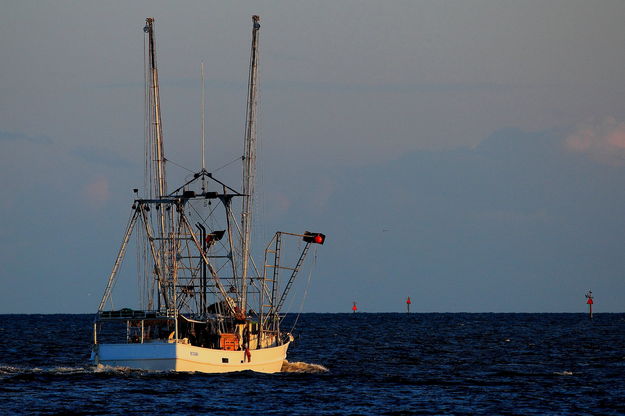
(340,364)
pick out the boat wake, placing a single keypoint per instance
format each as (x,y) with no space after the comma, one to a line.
(101,368)
(7,371)
(300,367)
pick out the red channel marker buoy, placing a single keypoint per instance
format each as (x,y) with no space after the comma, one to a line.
(408,302)
(354,308)
(589,302)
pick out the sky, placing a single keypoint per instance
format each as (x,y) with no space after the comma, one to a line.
(468,154)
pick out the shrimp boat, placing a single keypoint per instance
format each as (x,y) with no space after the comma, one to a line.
(204,305)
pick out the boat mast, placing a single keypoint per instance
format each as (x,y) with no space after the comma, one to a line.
(159,183)
(249,162)
(155,104)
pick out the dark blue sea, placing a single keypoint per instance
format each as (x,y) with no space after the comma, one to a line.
(340,364)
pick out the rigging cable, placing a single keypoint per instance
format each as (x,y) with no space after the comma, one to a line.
(230,163)
(180,166)
(314,263)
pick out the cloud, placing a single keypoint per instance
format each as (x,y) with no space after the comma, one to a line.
(603,140)
(16,136)
(97,192)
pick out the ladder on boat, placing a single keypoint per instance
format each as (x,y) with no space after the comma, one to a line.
(274,253)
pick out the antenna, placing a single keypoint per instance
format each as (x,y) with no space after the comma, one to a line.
(203,112)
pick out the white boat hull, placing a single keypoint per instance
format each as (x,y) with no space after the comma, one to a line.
(165,356)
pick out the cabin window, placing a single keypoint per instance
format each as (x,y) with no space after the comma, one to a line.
(224,360)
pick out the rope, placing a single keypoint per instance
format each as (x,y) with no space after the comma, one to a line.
(191,171)
(229,163)
(180,166)
(314,263)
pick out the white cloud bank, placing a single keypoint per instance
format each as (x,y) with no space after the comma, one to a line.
(602,139)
